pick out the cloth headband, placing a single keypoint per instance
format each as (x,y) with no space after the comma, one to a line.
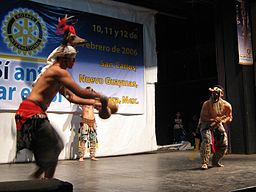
(60,52)
(215,89)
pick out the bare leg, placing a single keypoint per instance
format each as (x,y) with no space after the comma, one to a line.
(37,174)
(49,173)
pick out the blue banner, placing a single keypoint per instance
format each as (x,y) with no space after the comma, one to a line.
(111,61)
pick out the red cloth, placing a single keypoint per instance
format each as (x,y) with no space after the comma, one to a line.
(27,110)
(213,146)
(63,27)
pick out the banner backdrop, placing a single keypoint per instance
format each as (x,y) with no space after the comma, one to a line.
(110,62)
(244,34)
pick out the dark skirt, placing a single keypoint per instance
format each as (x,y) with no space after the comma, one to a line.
(38,135)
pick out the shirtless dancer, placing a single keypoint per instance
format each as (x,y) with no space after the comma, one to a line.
(34,130)
(87,132)
(214,113)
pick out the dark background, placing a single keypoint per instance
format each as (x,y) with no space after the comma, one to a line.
(185,38)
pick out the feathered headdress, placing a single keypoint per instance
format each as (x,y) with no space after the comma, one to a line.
(68,30)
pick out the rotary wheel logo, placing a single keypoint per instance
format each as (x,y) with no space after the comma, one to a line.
(24,32)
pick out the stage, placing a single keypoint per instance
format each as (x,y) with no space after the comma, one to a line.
(163,171)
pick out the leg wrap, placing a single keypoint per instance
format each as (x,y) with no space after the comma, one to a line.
(205,153)
(92,148)
(93,142)
(221,145)
(206,144)
(81,149)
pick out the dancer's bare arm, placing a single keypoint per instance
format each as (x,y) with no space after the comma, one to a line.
(67,81)
(71,97)
(228,113)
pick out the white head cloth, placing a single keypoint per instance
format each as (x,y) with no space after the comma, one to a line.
(58,52)
(215,89)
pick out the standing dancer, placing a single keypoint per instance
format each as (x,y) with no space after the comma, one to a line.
(214,113)
(87,132)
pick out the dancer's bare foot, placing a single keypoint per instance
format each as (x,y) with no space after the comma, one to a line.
(81,159)
(204,166)
(94,159)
